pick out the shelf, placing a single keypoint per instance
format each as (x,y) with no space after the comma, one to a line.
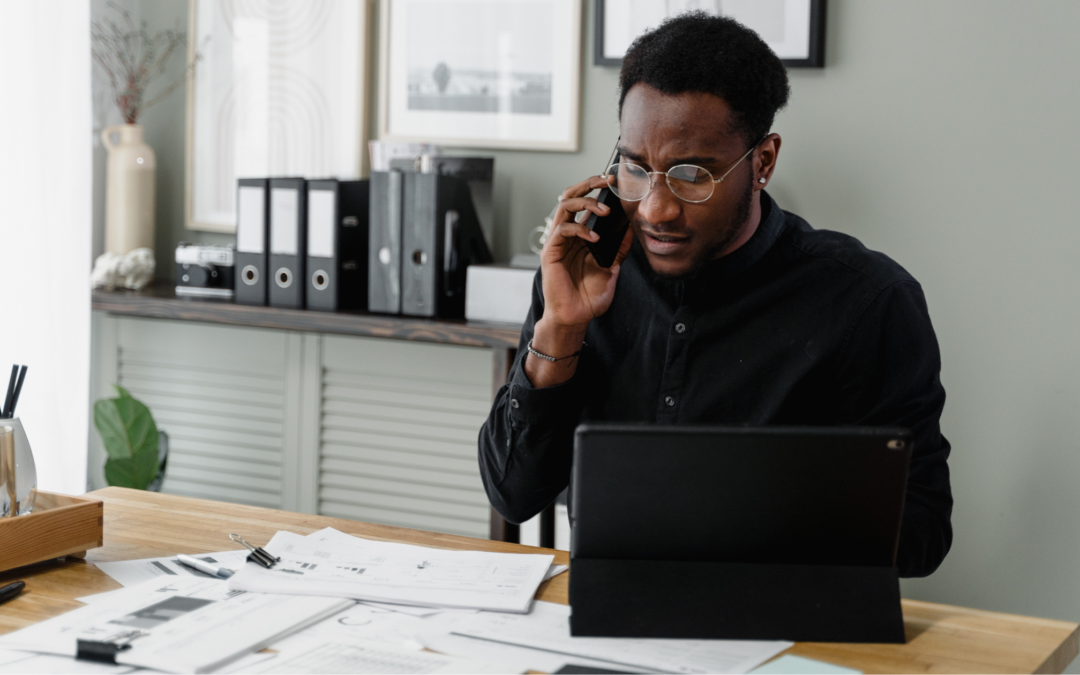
(159,301)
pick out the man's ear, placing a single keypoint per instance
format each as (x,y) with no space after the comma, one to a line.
(765,160)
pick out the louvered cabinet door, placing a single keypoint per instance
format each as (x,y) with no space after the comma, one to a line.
(398,431)
(220,394)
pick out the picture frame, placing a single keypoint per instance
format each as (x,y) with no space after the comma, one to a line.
(800,24)
(278,91)
(509,80)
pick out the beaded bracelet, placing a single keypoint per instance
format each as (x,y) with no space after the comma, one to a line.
(552,358)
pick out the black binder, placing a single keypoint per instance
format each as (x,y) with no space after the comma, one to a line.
(441,237)
(252,234)
(737,533)
(337,245)
(288,241)
(384,242)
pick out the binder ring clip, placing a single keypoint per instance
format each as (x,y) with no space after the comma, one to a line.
(258,554)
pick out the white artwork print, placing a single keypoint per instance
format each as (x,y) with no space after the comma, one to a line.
(495,73)
(277,93)
(782,24)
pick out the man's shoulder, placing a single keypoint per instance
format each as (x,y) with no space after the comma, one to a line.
(839,253)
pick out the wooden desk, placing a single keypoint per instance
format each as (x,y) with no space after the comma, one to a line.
(941,639)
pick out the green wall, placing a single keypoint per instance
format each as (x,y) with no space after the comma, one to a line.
(944,134)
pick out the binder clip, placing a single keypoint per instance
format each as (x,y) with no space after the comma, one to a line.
(258,555)
(105,651)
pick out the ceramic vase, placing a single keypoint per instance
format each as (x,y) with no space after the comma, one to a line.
(129,190)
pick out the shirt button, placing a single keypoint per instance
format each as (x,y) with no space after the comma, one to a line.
(680,328)
(670,401)
(514,403)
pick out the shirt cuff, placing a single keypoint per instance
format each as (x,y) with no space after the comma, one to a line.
(528,405)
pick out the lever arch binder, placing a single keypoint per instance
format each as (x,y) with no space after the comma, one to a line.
(773,533)
(441,237)
(384,242)
(337,245)
(288,241)
(252,233)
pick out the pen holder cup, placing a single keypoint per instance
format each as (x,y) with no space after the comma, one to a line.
(18,474)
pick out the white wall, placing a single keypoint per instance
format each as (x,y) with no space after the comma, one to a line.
(45,179)
(947,135)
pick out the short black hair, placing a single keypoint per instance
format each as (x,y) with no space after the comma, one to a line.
(695,52)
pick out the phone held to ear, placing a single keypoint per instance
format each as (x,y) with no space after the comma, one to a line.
(611,228)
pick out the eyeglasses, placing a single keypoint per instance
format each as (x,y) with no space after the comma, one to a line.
(688,182)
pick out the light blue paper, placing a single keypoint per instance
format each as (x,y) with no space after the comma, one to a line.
(797,665)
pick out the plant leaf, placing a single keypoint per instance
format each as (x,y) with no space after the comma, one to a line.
(120,472)
(130,438)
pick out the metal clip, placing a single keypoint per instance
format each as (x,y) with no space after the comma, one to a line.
(258,554)
(105,651)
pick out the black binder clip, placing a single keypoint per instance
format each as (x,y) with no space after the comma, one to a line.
(258,555)
(105,651)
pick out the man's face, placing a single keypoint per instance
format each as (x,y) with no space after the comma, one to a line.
(660,131)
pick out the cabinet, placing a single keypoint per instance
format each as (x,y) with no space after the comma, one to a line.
(367,428)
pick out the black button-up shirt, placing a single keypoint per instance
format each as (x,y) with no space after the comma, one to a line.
(796,327)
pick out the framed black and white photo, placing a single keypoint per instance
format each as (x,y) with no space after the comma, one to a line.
(481,73)
(794,29)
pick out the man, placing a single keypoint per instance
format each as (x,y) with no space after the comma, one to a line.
(721,308)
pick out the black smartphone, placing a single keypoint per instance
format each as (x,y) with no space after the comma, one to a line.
(611,228)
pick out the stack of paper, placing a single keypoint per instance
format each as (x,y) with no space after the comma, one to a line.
(179,625)
(546,632)
(331,563)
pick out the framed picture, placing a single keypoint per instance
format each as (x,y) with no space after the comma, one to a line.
(794,29)
(279,91)
(481,73)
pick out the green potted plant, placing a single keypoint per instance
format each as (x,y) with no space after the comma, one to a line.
(137,451)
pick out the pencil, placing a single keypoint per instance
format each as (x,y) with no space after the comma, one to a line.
(10,390)
(18,390)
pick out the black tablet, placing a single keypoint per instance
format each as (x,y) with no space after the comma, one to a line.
(781,495)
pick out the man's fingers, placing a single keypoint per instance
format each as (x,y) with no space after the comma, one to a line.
(570,207)
(624,248)
(571,230)
(584,187)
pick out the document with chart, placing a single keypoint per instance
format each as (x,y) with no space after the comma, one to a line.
(332,563)
(178,625)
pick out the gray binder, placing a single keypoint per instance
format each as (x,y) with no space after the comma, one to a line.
(384,249)
(441,237)
(252,233)
(288,241)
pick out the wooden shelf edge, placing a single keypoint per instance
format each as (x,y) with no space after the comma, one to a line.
(159,301)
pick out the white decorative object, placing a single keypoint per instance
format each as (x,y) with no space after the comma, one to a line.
(133,270)
(279,92)
(129,189)
(481,73)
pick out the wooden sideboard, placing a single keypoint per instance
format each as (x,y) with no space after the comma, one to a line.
(319,412)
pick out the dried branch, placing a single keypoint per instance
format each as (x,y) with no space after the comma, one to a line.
(133,59)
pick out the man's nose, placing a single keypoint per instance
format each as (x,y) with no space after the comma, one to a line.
(660,205)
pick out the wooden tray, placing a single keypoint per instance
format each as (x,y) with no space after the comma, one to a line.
(60,525)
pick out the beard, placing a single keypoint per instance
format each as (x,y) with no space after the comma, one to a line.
(730,232)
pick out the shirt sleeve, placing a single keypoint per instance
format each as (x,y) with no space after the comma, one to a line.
(526,444)
(890,376)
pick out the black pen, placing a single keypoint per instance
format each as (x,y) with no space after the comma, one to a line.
(10,389)
(11,590)
(18,390)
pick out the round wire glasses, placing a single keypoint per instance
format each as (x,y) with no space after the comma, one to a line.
(688,182)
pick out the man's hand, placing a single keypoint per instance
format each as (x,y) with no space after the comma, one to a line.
(576,289)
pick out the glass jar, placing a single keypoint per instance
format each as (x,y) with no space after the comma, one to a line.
(18,474)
